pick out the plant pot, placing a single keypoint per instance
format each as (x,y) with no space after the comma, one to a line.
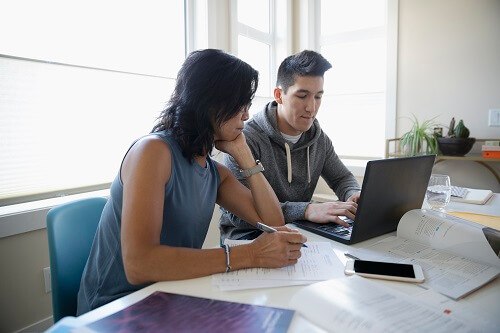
(455,146)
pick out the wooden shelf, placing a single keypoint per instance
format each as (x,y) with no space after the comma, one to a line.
(468,157)
(393,149)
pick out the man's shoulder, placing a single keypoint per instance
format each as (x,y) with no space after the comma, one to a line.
(322,136)
(254,132)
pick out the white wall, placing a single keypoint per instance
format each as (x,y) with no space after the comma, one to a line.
(449,66)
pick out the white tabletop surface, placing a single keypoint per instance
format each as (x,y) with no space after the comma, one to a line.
(482,304)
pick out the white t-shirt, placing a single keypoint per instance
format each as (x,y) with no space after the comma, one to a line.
(292,138)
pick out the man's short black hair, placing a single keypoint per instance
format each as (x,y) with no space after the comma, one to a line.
(305,63)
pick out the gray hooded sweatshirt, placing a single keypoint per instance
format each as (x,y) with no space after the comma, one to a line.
(292,170)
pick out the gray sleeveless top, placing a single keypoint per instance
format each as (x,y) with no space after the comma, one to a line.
(189,202)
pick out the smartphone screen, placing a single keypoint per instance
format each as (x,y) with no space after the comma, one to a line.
(383,268)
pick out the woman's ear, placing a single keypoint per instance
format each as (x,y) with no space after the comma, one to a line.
(277,95)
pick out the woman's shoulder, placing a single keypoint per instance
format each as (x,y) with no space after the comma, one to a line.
(148,156)
(169,139)
(152,141)
(151,148)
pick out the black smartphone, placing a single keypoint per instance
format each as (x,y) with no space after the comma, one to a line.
(385,270)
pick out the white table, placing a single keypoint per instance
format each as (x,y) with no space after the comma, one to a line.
(483,303)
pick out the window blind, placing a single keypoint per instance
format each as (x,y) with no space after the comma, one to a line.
(79,81)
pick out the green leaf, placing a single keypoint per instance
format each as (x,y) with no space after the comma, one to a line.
(420,139)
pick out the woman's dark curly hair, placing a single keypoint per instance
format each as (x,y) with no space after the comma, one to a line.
(211,88)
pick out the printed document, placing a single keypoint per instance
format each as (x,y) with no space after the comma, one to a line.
(317,263)
(356,304)
(457,256)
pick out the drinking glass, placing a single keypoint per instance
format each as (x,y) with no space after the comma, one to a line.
(438,192)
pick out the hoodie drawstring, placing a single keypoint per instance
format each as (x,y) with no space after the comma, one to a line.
(308,167)
(289,164)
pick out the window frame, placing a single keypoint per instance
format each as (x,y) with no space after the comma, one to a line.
(279,38)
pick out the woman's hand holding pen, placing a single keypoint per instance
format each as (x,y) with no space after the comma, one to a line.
(273,249)
(277,249)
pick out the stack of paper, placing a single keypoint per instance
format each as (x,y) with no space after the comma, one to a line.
(317,263)
(474,196)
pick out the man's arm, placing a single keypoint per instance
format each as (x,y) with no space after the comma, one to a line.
(345,186)
(337,176)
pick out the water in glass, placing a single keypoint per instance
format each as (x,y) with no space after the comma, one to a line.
(438,191)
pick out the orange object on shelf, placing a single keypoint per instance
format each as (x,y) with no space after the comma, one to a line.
(491,153)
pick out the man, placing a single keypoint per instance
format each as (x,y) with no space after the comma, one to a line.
(286,137)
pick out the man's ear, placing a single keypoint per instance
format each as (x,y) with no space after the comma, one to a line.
(277,95)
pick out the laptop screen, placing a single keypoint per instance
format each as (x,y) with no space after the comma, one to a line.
(391,187)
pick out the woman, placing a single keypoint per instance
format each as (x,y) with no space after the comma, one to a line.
(161,202)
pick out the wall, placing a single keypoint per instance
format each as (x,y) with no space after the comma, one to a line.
(448,66)
(23,299)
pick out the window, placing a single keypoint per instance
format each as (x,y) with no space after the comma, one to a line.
(260,36)
(257,54)
(358,109)
(253,40)
(75,90)
(112,34)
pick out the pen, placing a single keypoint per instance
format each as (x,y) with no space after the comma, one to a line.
(266,228)
(348,255)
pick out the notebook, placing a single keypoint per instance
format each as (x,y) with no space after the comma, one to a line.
(391,187)
(458,192)
(473,196)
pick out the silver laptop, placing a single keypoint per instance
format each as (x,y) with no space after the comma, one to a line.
(391,187)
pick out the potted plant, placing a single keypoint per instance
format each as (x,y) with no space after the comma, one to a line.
(457,142)
(420,140)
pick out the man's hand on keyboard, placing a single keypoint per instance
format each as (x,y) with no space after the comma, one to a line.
(327,212)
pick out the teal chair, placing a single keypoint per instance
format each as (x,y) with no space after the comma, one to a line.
(70,229)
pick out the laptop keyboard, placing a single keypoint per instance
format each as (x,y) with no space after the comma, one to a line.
(336,229)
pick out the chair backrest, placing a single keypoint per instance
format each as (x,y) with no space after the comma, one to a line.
(71,228)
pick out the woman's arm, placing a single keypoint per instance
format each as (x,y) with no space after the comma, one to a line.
(145,171)
(257,204)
